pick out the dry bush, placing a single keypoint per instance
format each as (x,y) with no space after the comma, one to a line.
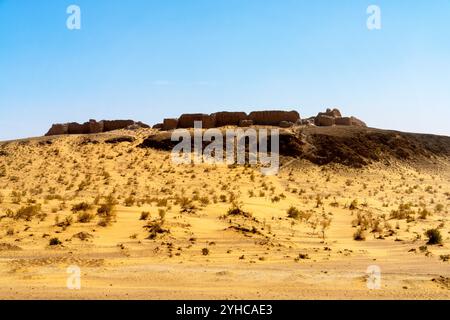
(85,217)
(155,228)
(83,236)
(423,213)
(236,210)
(404,211)
(54,242)
(129,201)
(359,235)
(144,215)
(293,213)
(106,210)
(434,236)
(28,213)
(82,206)
(65,223)
(186,205)
(353,205)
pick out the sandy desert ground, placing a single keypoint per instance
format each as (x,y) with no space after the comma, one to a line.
(140,227)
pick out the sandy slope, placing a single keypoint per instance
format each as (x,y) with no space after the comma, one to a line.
(257,258)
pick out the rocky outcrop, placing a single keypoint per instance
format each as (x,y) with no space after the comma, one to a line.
(273,118)
(229,118)
(347,145)
(169,124)
(92,126)
(187,120)
(120,139)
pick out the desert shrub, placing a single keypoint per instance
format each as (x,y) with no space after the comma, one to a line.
(162,214)
(129,201)
(424,213)
(204,200)
(16,197)
(155,228)
(276,199)
(236,210)
(53,197)
(28,213)
(104,222)
(367,221)
(85,217)
(144,215)
(293,213)
(111,200)
(303,256)
(404,211)
(205,251)
(161,202)
(106,210)
(353,205)
(83,236)
(54,242)
(434,236)
(325,224)
(65,223)
(186,205)
(82,206)
(439,207)
(359,235)
(9,213)
(334,204)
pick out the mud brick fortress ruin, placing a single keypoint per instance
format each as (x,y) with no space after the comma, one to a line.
(282,119)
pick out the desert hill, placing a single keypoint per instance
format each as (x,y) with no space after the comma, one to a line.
(139,226)
(347,145)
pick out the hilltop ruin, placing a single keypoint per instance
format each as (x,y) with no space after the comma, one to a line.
(282,119)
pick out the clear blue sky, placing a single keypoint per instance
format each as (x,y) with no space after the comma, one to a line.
(149,59)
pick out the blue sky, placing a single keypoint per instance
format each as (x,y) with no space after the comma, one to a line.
(149,59)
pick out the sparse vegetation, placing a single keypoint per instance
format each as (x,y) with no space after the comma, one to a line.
(144,215)
(54,242)
(293,213)
(85,217)
(434,236)
(359,235)
(82,206)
